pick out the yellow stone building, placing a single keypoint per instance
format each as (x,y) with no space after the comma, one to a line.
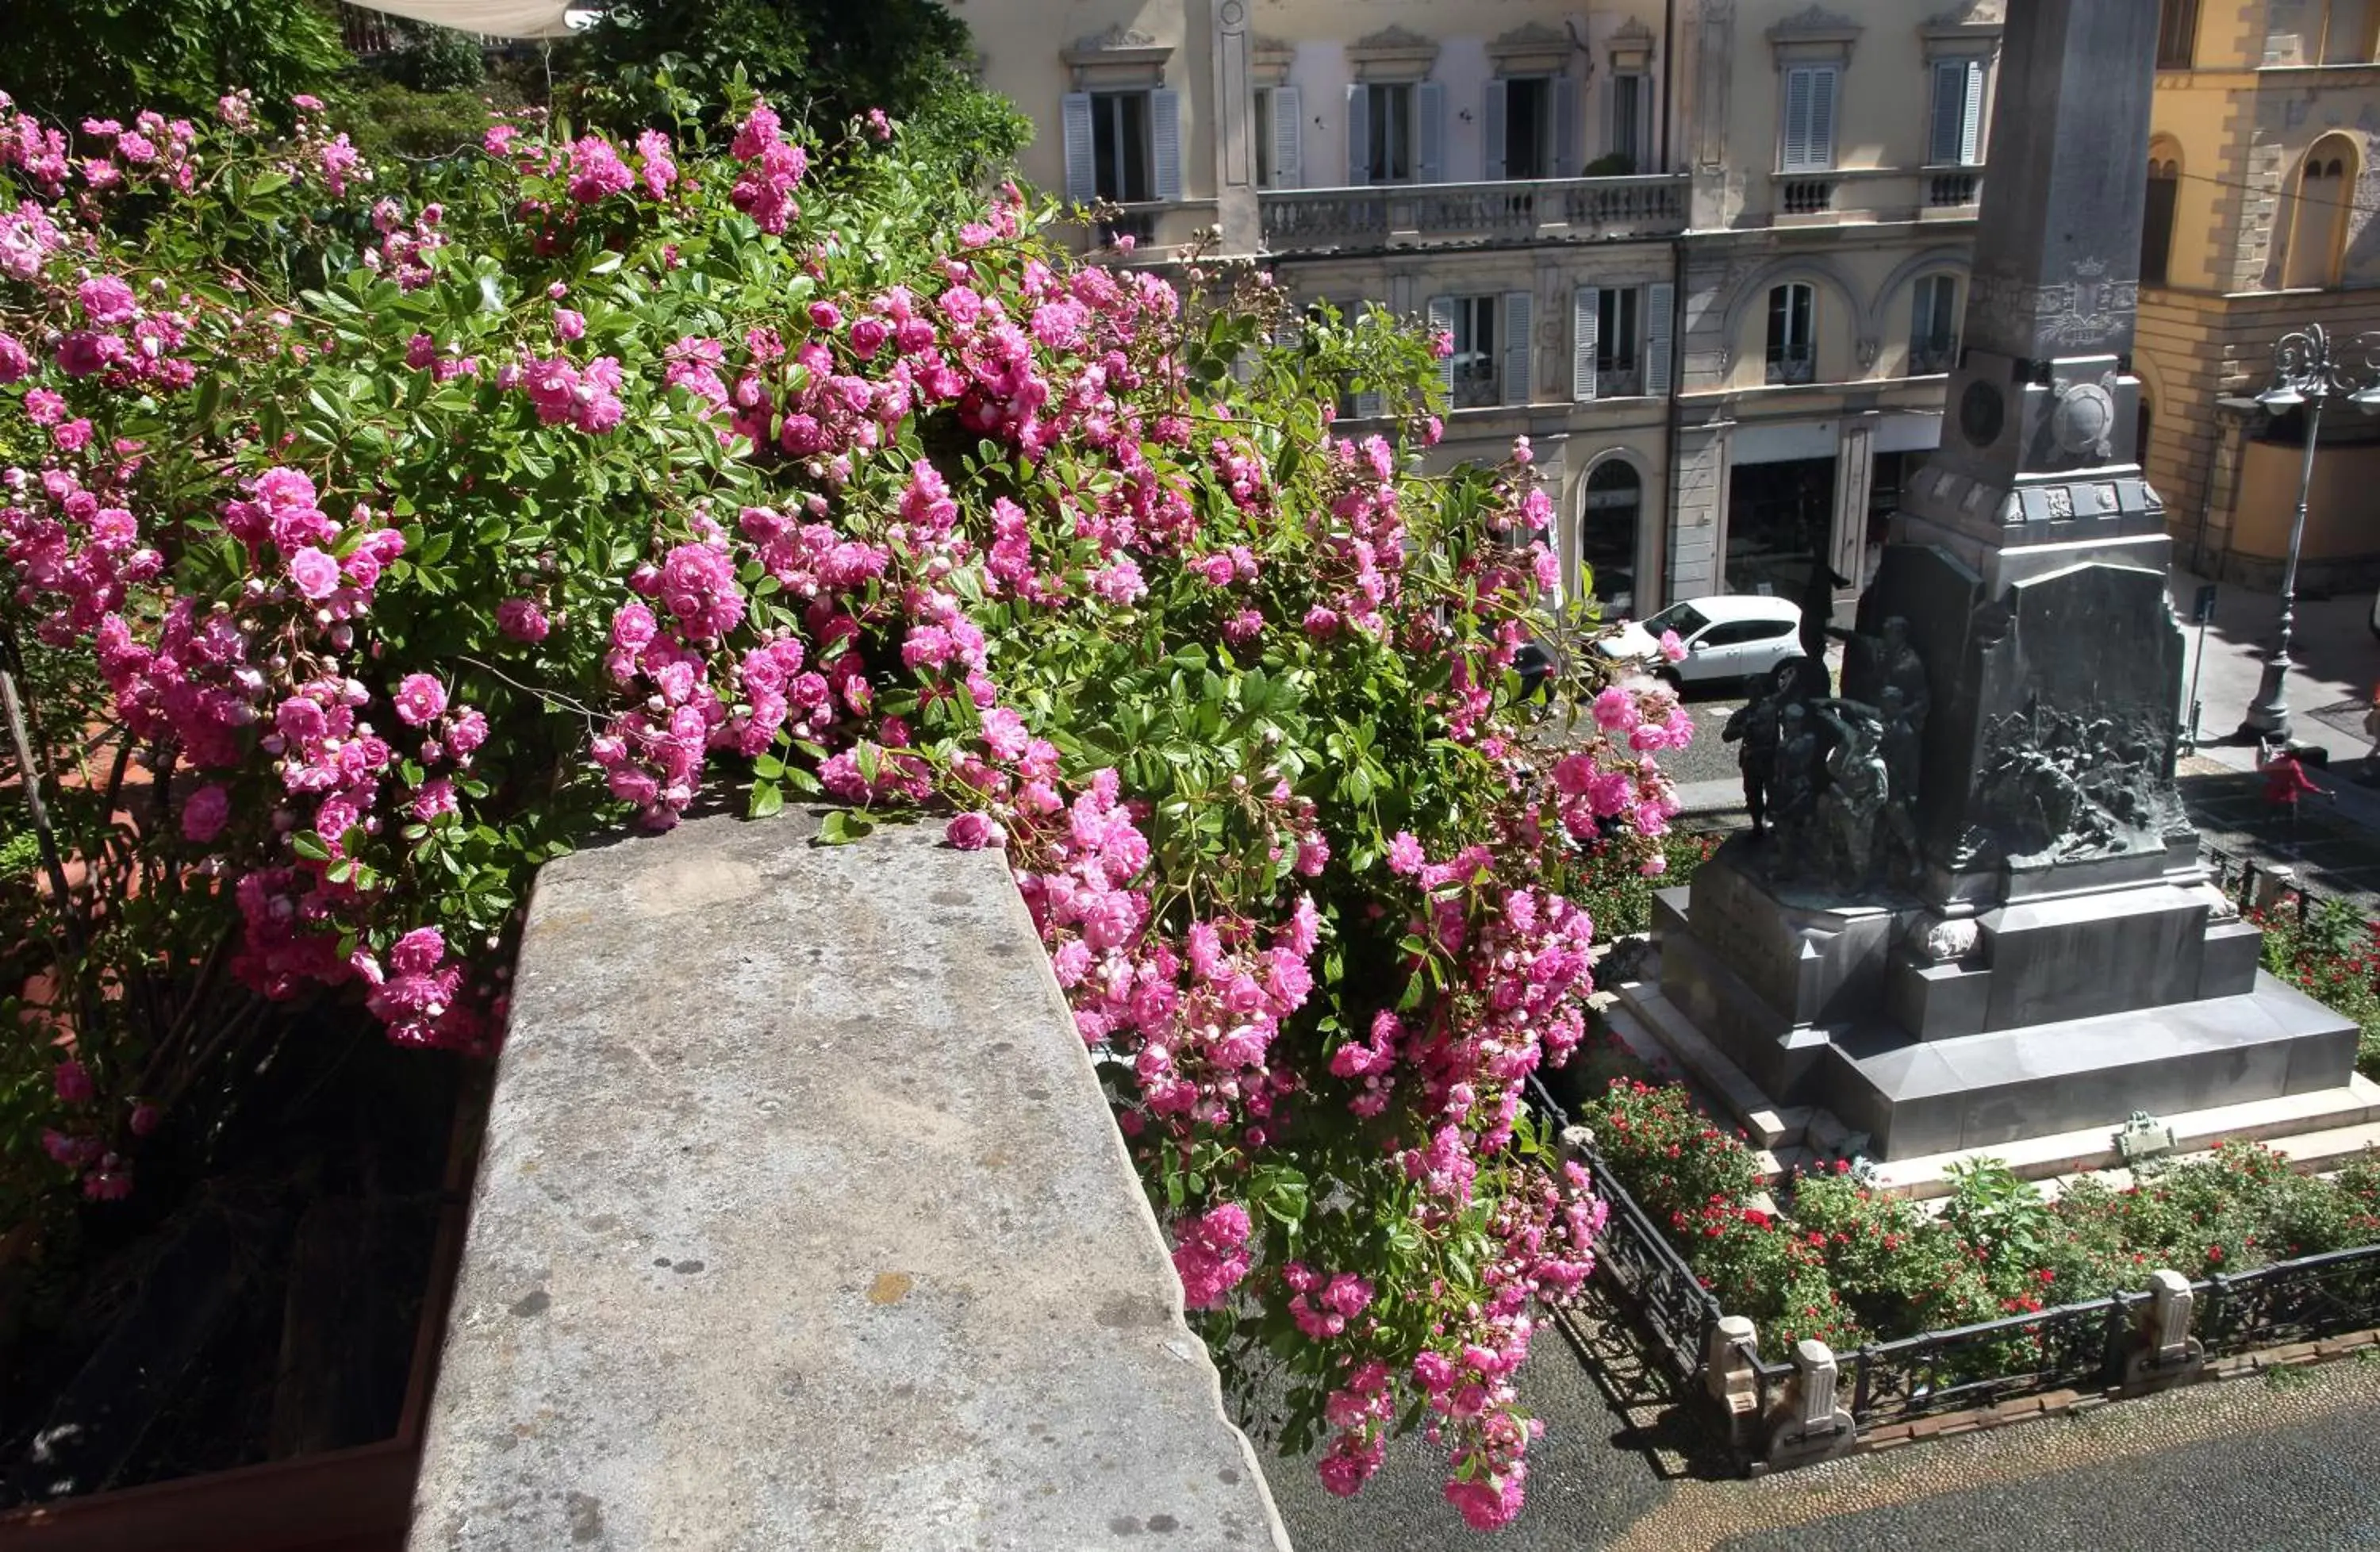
(1710,255)
(2262,186)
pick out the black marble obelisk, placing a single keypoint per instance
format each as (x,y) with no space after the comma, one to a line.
(2029,559)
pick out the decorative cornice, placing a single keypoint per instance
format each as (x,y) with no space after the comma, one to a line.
(1531,49)
(1968,21)
(1119,48)
(1815,24)
(1392,50)
(1393,40)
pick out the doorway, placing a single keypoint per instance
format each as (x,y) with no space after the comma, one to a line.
(1780,517)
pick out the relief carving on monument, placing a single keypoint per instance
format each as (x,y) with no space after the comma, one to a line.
(2061,784)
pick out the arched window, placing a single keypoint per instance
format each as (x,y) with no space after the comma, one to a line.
(2156,218)
(1610,515)
(1792,333)
(1933,325)
(2318,227)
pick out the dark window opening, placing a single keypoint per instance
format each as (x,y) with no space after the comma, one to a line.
(1119,146)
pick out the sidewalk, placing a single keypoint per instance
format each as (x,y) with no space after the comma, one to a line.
(2336,841)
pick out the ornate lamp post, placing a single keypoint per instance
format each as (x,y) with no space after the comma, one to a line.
(2307,375)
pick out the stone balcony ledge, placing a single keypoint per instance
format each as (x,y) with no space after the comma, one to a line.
(1408,215)
(801,1223)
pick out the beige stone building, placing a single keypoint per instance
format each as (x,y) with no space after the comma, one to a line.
(1710,255)
(2262,187)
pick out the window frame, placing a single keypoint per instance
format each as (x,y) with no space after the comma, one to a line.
(1933,324)
(1391,132)
(2176,40)
(1619,312)
(1813,158)
(1631,121)
(1958,118)
(2157,220)
(1472,311)
(1781,346)
(1106,137)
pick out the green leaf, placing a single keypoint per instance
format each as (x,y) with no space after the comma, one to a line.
(271,181)
(843,826)
(308,844)
(767,799)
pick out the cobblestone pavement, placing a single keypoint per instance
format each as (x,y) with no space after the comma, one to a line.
(2244,1465)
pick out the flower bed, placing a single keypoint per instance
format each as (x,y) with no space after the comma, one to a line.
(1846,1264)
(2330,950)
(393,531)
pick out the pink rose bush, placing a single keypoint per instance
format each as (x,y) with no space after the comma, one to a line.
(388,588)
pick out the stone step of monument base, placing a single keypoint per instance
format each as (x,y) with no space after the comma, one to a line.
(2318,1131)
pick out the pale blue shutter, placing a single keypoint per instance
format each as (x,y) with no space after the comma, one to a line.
(1822,117)
(1429,132)
(1585,319)
(1492,137)
(1516,384)
(1288,138)
(1359,134)
(1796,148)
(1971,118)
(1165,143)
(1567,127)
(1082,161)
(1660,313)
(1942,146)
(1441,321)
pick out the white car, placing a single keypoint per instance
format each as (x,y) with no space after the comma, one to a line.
(1734,636)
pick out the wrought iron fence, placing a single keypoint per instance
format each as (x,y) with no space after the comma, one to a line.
(2305,1300)
(1993,1361)
(1653,1280)
(2082,1346)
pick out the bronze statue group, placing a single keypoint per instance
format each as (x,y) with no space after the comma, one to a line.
(1831,780)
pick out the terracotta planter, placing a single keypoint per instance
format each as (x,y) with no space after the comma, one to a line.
(338,1500)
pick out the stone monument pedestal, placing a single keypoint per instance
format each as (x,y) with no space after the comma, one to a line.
(2045,1015)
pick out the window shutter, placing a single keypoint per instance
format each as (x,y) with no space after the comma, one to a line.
(1359,134)
(1822,117)
(1660,310)
(1288,138)
(1165,143)
(1081,165)
(1585,319)
(1429,132)
(1493,132)
(1949,113)
(1492,137)
(1971,125)
(1441,321)
(1566,127)
(1516,384)
(1797,121)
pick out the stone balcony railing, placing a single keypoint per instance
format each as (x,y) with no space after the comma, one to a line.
(1867,194)
(1473,214)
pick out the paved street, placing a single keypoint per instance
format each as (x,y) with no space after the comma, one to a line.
(2246,1465)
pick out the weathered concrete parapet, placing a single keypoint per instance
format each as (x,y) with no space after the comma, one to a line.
(801,1223)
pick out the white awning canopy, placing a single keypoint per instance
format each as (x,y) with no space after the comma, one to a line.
(494,18)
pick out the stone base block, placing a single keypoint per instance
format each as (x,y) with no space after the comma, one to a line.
(1918,1097)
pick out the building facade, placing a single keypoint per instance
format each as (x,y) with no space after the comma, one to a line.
(1710,255)
(2263,178)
